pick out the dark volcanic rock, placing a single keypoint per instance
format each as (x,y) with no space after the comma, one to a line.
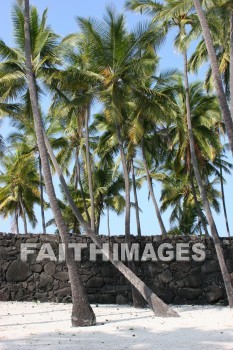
(210,266)
(195,279)
(214,294)
(36,268)
(108,270)
(61,276)
(165,276)
(95,282)
(121,300)
(189,293)
(8,253)
(50,268)
(18,272)
(167,296)
(3,295)
(181,266)
(46,281)
(63,291)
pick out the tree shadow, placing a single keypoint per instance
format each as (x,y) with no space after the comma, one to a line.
(121,332)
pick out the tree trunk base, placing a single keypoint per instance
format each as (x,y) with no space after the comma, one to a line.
(81,319)
(138,300)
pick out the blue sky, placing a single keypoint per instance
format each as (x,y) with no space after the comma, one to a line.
(61,16)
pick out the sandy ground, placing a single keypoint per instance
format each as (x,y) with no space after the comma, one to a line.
(37,326)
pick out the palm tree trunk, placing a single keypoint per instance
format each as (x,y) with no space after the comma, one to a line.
(108,223)
(216,74)
(42,197)
(157,305)
(89,171)
(224,202)
(137,299)
(81,190)
(75,222)
(75,226)
(23,216)
(82,313)
(17,222)
(127,184)
(199,226)
(231,61)
(151,191)
(98,222)
(200,214)
(136,201)
(209,216)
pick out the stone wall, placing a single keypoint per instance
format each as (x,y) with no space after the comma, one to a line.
(176,282)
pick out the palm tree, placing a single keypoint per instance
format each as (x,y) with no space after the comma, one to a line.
(80,140)
(222,165)
(73,154)
(20,190)
(82,313)
(150,105)
(108,185)
(219,88)
(25,140)
(107,150)
(205,117)
(76,87)
(44,53)
(40,45)
(178,192)
(71,222)
(151,191)
(225,273)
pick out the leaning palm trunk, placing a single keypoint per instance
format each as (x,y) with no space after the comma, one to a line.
(151,191)
(209,216)
(136,201)
(89,172)
(82,313)
(157,305)
(216,74)
(42,197)
(231,61)
(224,202)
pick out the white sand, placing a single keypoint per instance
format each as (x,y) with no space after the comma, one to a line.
(30,326)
